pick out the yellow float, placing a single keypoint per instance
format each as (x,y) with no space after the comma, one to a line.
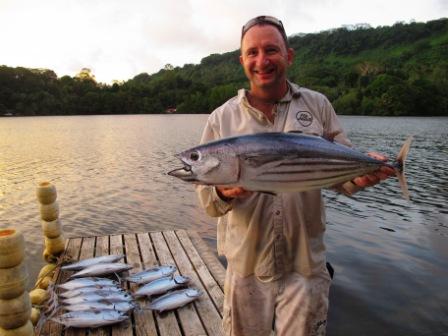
(35,315)
(47,270)
(25,330)
(52,229)
(12,248)
(15,312)
(46,193)
(38,296)
(49,212)
(13,281)
(55,246)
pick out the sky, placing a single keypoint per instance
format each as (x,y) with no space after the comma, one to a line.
(119,39)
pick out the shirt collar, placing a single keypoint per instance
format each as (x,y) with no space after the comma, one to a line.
(293,92)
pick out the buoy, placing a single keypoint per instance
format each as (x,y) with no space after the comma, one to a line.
(13,281)
(47,270)
(48,257)
(38,296)
(46,193)
(35,315)
(15,312)
(55,246)
(49,212)
(52,229)
(12,248)
(25,330)
(44,282)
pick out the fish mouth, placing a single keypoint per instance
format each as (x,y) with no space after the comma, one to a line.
(184,173)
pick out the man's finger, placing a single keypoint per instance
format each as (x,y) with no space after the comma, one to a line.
(378,156)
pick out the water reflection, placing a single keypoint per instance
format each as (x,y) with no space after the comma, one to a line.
(110,175)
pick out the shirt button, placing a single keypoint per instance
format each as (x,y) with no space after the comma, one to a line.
(277,212)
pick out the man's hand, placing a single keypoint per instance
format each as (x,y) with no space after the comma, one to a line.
(375,177)
(234,192)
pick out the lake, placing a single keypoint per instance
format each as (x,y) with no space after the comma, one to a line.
(390,255)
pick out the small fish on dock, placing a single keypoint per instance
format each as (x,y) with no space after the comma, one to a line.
(87,282)
(175,299)
(79,265)
(90,319)
(162,285)
(98,297)
(123,307)
(151,274)
(102,269)
(89,290)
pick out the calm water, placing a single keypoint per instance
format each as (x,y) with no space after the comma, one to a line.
(390,256)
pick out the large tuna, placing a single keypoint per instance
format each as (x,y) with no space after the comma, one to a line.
(280,162)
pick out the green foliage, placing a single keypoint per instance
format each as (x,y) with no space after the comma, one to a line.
(397,70)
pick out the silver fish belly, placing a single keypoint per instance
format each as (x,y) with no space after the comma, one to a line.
(279,162)
(90,319)
(91,290)
(98,297)
(79,265)
(151,274)
(175,299)
(162,285)
(102,269)
(123,307)
(87,282)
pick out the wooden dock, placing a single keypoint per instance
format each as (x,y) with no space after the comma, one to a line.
(184,249)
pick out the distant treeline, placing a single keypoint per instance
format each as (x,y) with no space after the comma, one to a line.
(393,71)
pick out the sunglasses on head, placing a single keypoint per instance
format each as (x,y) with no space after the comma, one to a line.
(264,19)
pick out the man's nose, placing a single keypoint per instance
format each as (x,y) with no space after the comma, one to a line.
(263,59)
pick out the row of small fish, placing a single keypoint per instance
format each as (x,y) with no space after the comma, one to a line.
(85,291)
(160,280)
(92,302)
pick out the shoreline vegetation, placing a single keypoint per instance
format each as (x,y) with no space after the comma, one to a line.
(401,70)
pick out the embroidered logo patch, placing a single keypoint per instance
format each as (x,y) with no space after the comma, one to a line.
(304,118)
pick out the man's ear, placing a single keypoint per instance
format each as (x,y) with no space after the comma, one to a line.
(241,59)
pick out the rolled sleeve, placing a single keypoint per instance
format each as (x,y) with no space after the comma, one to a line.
(211,202)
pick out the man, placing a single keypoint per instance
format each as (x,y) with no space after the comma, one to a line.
(273,244)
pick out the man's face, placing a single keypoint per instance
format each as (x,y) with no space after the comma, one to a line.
(264,57)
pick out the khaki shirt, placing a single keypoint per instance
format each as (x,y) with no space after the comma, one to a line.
(263,234)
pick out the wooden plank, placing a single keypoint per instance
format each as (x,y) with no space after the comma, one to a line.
(149,260)
(214,290)
(101,248)
(87,251)
(206,309)
(166,321)
(217,270)
(143,319)
(188,316)
(125,328)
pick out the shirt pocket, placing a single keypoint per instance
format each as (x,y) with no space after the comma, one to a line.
(303,121)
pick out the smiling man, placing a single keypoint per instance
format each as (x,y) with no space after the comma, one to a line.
(276,274)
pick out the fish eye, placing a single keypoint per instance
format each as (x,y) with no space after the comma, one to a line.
(194,156)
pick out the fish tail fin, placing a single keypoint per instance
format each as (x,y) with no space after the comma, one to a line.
(400,166)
